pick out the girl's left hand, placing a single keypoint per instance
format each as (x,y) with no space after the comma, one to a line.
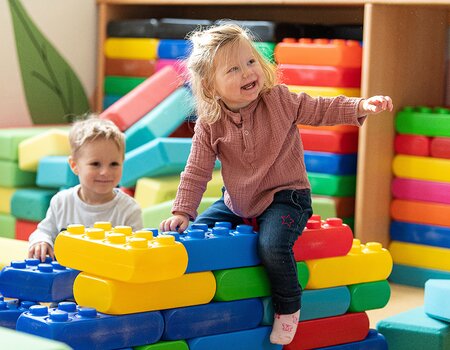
(376,104)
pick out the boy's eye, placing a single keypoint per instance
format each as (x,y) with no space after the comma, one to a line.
(115,164)
(95,164)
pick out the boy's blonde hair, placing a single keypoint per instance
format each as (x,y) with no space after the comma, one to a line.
(201,65)
(94,128)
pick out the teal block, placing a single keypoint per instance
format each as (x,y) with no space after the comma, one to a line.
(162,120)
(318,303)
(437,299)
(55,172)
(109,100)
(7,226)
(31,204)
(12,176)
(415,276)
(414,330)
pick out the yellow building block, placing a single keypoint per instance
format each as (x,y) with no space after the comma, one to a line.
(151,191)
(422,168)
(419,255)
(364,263)
(325,91)
(114,297)
(120,255)
(12,249)
(132,48)
(53,142)
(6,194)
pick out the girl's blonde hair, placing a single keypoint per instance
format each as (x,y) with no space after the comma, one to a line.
(94,128)
(201,65)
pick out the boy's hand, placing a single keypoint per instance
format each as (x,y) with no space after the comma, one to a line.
(375,104)
(40,251)
(178,222)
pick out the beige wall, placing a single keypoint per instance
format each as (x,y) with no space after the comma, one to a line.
(70,25)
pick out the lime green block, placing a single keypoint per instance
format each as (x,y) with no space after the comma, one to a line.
(152,216)
(332,185)
(115,85)
(14,340)
(369,296)
(12,176)
(423,121)
(7,226)
(325,207)
(249,282)
(165,345)
(266,50)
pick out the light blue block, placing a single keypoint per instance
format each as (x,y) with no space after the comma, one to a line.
(437,299)
(415,276)
(55,172)
(32,203)
(109,100)
(373,341)
(162,120)
(317,303)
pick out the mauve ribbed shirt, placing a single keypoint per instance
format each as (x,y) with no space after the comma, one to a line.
(259,148)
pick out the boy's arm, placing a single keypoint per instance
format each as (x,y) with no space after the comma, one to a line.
(47,229)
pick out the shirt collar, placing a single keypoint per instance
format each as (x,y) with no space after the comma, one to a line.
(237,117)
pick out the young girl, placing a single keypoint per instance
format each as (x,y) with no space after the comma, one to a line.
(250,125)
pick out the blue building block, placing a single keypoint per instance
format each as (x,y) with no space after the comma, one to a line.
(31,280)
(213,318)
(109,100)
(415,276)
(31,203)
(89,329)
(330,163)
(317,303)
(437,299)
(162,120)
(55,172)
(373,341)
(173,49)
(253,339)
(437,236)
(414,330)
(10,312)
(219,248)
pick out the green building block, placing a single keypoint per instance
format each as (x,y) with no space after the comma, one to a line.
(115,85)
(14,340)
(165,345)
(369,296)
(332,185)
(32,203)
(7,226)
(323,206)
(423,121)
(266,50)
(12,176)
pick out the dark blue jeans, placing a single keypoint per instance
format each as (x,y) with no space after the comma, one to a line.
(279,227)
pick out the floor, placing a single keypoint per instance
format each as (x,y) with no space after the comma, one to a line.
(403,298)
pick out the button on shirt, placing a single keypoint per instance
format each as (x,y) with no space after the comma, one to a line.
(259,148)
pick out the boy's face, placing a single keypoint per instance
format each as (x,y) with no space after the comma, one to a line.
(98,165)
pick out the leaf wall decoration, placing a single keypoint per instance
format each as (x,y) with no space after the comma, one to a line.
(54,93)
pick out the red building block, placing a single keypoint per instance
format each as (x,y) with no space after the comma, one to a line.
(414,145)
(24,229)
(129,67)
(440,147)
(341,142)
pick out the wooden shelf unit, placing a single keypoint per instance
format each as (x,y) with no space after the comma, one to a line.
(403,56)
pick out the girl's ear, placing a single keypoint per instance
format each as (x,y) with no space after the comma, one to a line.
(73,165)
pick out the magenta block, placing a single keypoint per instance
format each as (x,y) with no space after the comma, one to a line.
(428,191)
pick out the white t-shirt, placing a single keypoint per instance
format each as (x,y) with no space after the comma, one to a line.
(67,208)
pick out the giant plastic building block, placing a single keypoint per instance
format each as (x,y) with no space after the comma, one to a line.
(7,226)
(340,142)
(414,145)
(203,320)
(332,185)
(262,30)
(18,340)
(320,303)
(415,276)
(373,341)
(419,190)
(421,212)
(414,330)
(143,98)
(120,255)
(115,297)
(364,263)
(31,280)
(330,163)
(422,168)
(173,49)
(10,312)
(337,207)
(178,28)
(31,204)
(55,172)
(12,176)
(162,120)
(323,239)
(315,75)
(12,249)
(24,229)
(120,86)
(437,236)
(220,248)
(437,301)
(321,52)
(341,329)
(420,255)
(165,345)
(54,142)
(440,147)
(249,282)
(178,65)
(369,296)
(252,339)
(89,329)
(133,28)
(132,48)
(326,91)
(423,121)
(6,193)
(129,68)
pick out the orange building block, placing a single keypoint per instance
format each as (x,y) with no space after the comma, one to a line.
(421,212)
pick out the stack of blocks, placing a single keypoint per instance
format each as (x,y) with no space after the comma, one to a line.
(205,289)
(420,230)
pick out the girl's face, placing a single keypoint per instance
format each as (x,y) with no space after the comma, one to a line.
(239,77)
(98,165)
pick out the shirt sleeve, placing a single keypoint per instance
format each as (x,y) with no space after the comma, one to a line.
(47,229)
(197,173)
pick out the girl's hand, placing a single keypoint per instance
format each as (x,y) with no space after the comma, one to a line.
(40,251)
(375,104)
(178,222)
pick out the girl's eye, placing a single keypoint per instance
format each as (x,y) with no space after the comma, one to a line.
(252,61)
(233,69)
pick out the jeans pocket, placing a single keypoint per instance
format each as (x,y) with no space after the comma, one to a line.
(301,199)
